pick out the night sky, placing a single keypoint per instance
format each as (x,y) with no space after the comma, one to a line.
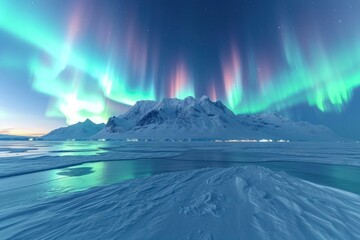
(64,61)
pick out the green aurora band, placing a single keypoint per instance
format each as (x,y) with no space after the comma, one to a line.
(81,84)
(321,79)
(71,100)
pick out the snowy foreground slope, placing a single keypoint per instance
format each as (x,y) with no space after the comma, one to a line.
(81,130)
(233,203)
(204,119)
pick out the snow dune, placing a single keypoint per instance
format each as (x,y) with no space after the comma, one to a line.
(232,203)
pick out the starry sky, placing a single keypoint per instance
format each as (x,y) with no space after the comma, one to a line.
(64,61)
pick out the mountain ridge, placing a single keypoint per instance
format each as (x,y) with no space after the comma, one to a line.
(79,131)
(192,118)
(202,118)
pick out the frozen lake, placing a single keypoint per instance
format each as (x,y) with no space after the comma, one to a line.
(34,171)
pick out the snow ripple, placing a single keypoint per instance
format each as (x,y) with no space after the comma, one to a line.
(234,203)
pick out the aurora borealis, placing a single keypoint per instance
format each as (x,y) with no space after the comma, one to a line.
(72,60)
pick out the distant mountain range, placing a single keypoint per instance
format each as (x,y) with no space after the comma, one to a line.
(79,131)
(12,137)
(275,126)
(192,118)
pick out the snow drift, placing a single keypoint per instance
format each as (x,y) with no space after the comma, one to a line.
(234,203)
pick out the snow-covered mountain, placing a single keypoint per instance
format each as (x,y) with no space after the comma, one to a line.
(275,126)
(12,137)
(78,131)
(173,118)
(204,119)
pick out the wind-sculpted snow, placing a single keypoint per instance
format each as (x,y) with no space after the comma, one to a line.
(233,203)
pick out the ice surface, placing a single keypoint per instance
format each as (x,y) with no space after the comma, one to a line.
(221,203)
(37,156)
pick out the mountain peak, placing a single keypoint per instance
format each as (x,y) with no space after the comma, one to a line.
(88,121)
(189,98)
(190,118)
(171,117)
(204,98)
(80,130)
